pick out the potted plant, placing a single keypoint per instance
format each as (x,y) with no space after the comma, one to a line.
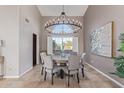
(119,61)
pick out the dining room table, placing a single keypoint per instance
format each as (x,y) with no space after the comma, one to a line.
(61,61)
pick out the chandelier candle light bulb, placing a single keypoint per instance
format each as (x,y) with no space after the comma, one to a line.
(63,21)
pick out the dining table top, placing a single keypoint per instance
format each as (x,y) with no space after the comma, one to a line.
(59,59)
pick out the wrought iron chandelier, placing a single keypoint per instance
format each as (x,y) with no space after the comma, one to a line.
(63,25)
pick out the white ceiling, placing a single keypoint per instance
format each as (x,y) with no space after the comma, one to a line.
(55,10)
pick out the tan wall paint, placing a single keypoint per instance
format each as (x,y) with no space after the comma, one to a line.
(26,31)
(15,32)
(9,33)
(95,17)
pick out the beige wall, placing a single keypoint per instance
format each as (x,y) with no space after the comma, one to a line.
(95,17)
(9,33)
(43,34)
(17,36)
(26,31)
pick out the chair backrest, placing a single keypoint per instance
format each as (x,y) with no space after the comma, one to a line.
(73,53)
(48,63)
(82,56)
(42,55)
(73,62)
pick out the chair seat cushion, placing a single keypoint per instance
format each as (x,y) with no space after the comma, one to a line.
(55,69)
(71,71)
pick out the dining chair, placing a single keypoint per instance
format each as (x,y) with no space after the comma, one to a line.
(82,63)
(49,67)
(73,53)
(42,55)
(73,67)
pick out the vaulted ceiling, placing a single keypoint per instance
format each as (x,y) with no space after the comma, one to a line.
(55,10)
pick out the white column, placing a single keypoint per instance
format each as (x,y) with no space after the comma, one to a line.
(75,44)
(49,45)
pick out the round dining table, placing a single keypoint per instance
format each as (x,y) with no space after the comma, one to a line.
(61,62)
(60,59)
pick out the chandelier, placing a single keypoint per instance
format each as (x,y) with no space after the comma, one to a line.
(63,25)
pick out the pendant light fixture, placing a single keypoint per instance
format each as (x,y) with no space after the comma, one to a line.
(63,24)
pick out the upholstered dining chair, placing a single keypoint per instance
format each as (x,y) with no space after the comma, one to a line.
(82,63)
(42,55)
(73,66)
(49,67)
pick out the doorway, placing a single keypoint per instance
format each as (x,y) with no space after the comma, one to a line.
(34,49)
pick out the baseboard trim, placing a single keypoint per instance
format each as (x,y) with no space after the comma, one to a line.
(26,71)
(19,75)
(10,76)
(116,82)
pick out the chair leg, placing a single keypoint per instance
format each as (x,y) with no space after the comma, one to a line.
(42,70)
(68,77)
(83,72)
(78,77)
(45,75)
(52,79)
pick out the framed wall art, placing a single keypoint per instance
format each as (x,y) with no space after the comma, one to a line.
(101,40)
